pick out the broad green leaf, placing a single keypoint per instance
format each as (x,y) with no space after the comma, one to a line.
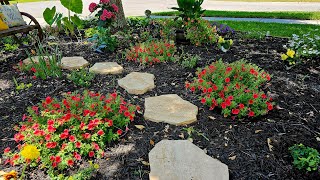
(49,14)
(75,6)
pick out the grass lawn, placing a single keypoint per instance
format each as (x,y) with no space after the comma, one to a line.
(244,14)
(257,29)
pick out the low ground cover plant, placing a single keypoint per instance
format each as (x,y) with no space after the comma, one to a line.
(151,52)
(81,77)
(235,88)
(224,45)
(307,45)
(305,158)
(70,130)
(201,32)
(102,39)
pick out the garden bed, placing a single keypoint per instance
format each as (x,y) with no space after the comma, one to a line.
(242,145)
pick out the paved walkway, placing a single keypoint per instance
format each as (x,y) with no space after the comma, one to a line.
(265,20)
(137,7)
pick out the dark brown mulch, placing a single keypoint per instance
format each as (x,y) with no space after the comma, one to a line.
(297,93)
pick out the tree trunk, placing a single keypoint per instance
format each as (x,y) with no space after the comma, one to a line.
(120,17)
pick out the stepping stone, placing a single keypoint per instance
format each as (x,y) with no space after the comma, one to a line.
(137,83)
(5,84)
(182,160)
(35,59)
(72,63)
(106,68)
(170,109)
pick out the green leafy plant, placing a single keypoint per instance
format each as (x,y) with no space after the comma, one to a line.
(103,41)
(224,45)
(151,52)
(306,45)
(188,60)
(48,65)
(305,157)
(200,32)
(67,23)
(191,131)
(235,88)
(81,77)
(189,9)
(21,86)
(71,130)
(10,47)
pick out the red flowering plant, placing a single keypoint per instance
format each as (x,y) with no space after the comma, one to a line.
(235,88)
(106,12)
(75,128)
(151,52)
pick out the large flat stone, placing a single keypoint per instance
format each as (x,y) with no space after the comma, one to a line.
(170,109)
(72,63)
(106,68)
(35,59)
(182,160)
(137,83)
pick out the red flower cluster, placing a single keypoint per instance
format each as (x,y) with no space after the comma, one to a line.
(77,126)
(235,88)
(151,52)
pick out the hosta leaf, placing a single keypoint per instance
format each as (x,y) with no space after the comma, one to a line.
(75,6)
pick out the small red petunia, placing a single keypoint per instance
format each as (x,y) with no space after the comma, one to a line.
(70,162)
(227,80)
(100,132)
(235,111)
(251,114)
(91,154)
(119,132)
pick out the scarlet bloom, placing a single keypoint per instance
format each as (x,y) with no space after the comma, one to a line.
(100,132)
(241,106)
(48,137)
(77,156)
(251,114)
(235,111)
(187,85)
(203,100)
(48,100)
(263,96)
(209,90)
(270,107)
(119,132)
(33,69)
(229,69)
(58,159)
(51,129)
(92,7)
(192,89)
(72,138)
(6,150)
(50,122)
(215,87)
(223,105)
(86,135)
(51,145)
(250,101)
(78,144)
(255,96)
(104,1)
(64,135)
(70,162)
(91,154)
(227,80)
(110,123)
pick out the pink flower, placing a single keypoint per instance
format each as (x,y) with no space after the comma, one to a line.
(92,7)
(106,15)
(104,1)
(115,8)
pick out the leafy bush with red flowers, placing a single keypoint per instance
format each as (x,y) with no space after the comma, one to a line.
(151,52)
(235,88)
(68,131)
(106,12)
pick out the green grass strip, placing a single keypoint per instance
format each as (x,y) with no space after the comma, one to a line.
(257,29)
(245,14)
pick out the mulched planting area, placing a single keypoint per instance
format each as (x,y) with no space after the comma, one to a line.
(241,144)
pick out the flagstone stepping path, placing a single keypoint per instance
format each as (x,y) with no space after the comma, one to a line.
(170,109)
(106,68)
(5,84)
(137,83)
(72,63)
(182,160)
(35,59)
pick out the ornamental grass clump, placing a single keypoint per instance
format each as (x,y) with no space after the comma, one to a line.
(69,131)
(151,52)
(235,88)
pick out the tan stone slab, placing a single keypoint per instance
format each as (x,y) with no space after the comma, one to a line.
(106,68)
(35,59)
(72,63)
(170,109)
(182,160)
(137,83)
(5,84)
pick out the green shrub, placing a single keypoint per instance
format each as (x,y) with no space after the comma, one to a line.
(235,88)
(200,32)
(102,40)
(189,9)
(189,60)
(81,77)
(70,130)
(305,157)
(151,52)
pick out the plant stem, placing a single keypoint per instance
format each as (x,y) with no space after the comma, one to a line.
(24,169)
